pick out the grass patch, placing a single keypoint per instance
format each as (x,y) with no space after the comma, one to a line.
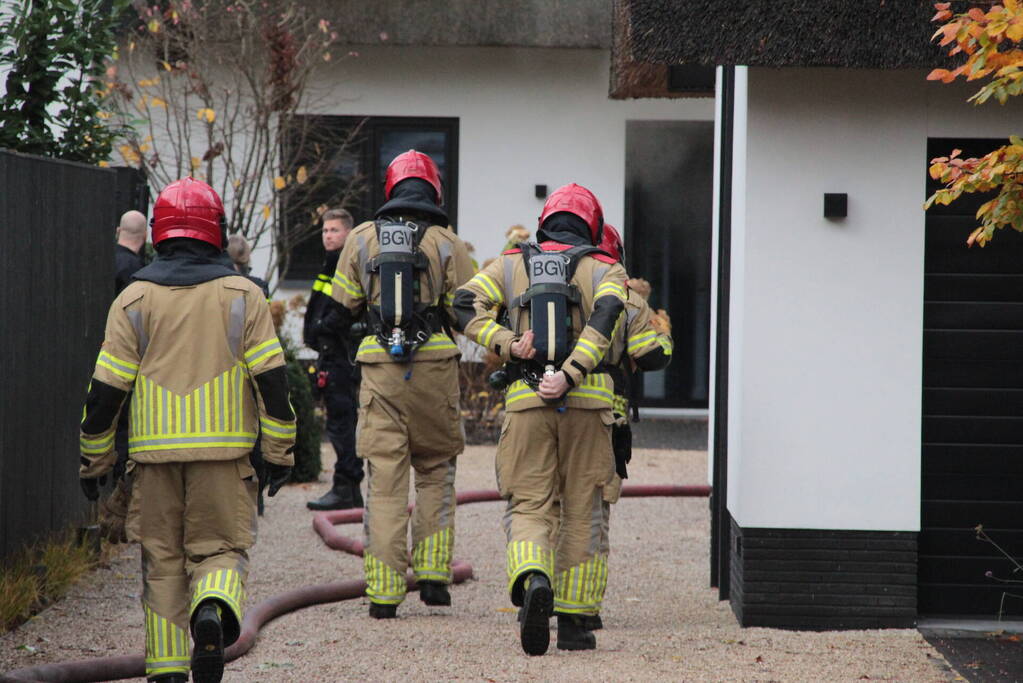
(39,575)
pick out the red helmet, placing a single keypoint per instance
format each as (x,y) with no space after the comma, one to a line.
(188,208)
(576,199)
(611,243)
(413,164)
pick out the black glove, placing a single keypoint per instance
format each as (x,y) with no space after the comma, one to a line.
(90,487)
(277,476)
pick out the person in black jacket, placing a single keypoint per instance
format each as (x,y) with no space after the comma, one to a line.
(337,376)
(128,254)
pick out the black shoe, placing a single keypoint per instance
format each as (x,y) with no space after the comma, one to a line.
(169,678)
(572,635)
(378,611)
(537,607)
(208,644)
(337,498)
(434,593)
(357,496)
(592,622)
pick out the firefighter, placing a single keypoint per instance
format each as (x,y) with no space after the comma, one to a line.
(564,298)
(402,269)
(194,342)
(337,376)
(642,343)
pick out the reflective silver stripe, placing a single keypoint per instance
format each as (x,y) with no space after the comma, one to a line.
(598,275)
(596,521)
(445,253)
(447,501)
(509,282)
(237,326)
(140,333)
(363,253)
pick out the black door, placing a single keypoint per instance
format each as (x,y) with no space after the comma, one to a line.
(972,454)
(669,168)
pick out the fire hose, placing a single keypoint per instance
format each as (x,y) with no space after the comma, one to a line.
(134,666)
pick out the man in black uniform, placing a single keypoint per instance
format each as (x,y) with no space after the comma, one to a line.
(337,377)
(128,255)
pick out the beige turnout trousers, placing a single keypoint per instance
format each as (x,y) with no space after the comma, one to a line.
(549,460)
(405,424)
(195,522)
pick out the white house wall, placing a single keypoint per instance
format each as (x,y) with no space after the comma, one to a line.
(826,315)
(527,116)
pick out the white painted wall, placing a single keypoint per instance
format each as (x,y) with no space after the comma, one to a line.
(527,116)
(826,316)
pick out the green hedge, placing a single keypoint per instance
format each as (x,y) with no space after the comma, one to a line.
(310,427)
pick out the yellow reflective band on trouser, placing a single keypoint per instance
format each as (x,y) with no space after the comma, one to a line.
(526,556)
(281,430)
(488,286)
(224,585)
(580,590)
(350,287)
(437,342)
(96,445)
(212,416)
(384,585)
(263,351)
(167,645)
(431,558)
(119,367)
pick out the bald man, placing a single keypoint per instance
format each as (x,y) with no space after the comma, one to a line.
(128,257)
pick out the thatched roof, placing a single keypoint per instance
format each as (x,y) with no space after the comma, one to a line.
(883,34)
(504,23)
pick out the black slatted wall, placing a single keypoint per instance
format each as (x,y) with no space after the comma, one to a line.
(57,223)
(972,432)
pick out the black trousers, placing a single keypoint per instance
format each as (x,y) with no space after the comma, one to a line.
(340,397)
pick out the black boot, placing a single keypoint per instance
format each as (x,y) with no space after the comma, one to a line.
(434,593)
(169,678)
(537,607)
(339,497)
(573,635)
(379,611)
(208,644)
(592,622)
(357,496)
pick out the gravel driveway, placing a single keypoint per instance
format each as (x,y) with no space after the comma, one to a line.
(662,621)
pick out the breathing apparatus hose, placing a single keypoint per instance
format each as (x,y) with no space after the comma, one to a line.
(134,666)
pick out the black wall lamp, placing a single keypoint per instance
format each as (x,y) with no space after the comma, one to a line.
(836,204)
(540,191)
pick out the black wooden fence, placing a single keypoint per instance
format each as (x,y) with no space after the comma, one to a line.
(57,223)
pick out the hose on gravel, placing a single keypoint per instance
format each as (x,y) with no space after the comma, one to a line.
(134,666)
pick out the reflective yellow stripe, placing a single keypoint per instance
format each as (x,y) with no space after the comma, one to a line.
(384,585)
(610,289)
(526,556)
(589,348)
(439,341)
(351,287)
(96,445)
(487,332)
(279,429)
(489,286)
(119,367)
(262,352)
(431,557)
(642,339)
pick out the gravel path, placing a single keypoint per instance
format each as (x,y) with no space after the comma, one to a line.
(662,621)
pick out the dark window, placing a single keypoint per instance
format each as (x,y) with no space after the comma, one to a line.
(690,78)
(372,143)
